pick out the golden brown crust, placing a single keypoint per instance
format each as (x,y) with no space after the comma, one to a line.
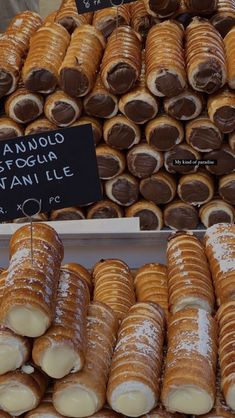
(68,17)
(100,102)
(221,110)
(164,132)
(203,135)
(23,106)
(121,133)
(180,216)
(141,21)
(39,126)
(104,209)
(9,128)
(110,162)
(216,211)
(197,188)
(105,20)
(61,109)
(67,214)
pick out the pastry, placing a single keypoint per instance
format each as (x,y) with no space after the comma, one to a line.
(139,105)
(206,7)
(105,209)
(183,15)
(100,102)
(160,188)
(182,159)
(51,17)
(197,188)
(227,188)
(23,106)
(67,214)
(39,126)
(123,189)
(61,109)
(68,16)
(81,272)
(47,50)
(189,378)
(9,129)
(113,285)
(220,408)
(205,57)
(77,73)
(203,135)
(165,64)
(189,284)
(224,159)
(224,18)
(96,125)
(162,8)
(229,42)
(221,110)
(83,393)
(45,408)
(27,306)
(22,27)
(143,160)
(216,211)
(149,214)
(40,217)
(164,132)
(141,21)
(107,20)
(121,133)
(231,141)
(121,64)
(161,412)
(185,106)
(180,216)
(134,380)
(110,162)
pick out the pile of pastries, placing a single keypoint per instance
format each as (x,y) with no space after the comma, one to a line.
(156,81)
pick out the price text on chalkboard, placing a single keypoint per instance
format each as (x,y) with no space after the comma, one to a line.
(57,168)
(85,6)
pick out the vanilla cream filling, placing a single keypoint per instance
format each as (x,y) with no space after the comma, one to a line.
(76,402)
(16,399)
(133,399)
(11,356)
(27,321)
(57,362)
(190,400)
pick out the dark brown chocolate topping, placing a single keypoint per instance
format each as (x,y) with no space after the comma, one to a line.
(68,23)
(223,24)
(39,130)
(26,110)
(204,138)
(179,153)
(121,78)
(7,133)
(228,192)
(183,107)
(164,137)
(100,105)
(74,82)
(105,212)
(63,113)
(182,217)
(41,80)
(139,111)
(108,166)
(6,82)
(169,84)
(203,6)
(218,216)
(194,191)
(225,162)
(224,118)
(68,216)
(156,191)
(121,136)
(110,24)
(141,165)
(148,220)
(164,7)
(209,76)
(125,191)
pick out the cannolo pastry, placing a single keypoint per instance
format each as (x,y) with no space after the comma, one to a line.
(183,15)
(107,20)
(161,412)
(123,189)
(45,408)
(51,17)
(80,271)
(23,106)
(205,56)
(61,109)
(39,217)
(9,129)
(97,128)
(165,63)
(164,132)
(231,141)
(134,380)
(203,135)
(227,188)
(150,215)
(143,160)
(22,391)
(121,64)
(182,159)
(141,21)
(162,8)
(47,50)
(224,161)
(113,285)
(220,409)
(229,42)
(104,209)
(216,211)
(180,216)
(160,188)
(69,18)
(27,306)
(189,378)
(83,393)
(139,105)
(224,19)
(100,102)
(221,110)
(206,7)
(23,26)
(121,133)
(111,162)
(67,214)
(185,106)
(39,126)
(197,188)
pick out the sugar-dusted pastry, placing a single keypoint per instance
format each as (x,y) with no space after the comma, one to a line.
(150,215)
(196,188)
(189,378)
(107,20)
(68,16)
(78,71)
(82,394)
(160,188)
(47,50)
(39,126)
(229,42)
(203,135)
(224,18)
(216,211)
(162,8)
(227,188)
(221,110)
(121,133)
(200,8)
(45,408)
(224,159)
(67,214)
(24,106)
(22,27)
(180,216)
(80,271)
(105,209)
(100,102)
(134,380)
(189,283)
(143,160)
(182,159)
(185,106)
(111,162)
(123,189)
(205,57)
(9,128)
(165,64)
(164,132)
(61,109)
(96,125)
(121,64)
(220,409)
(141,21)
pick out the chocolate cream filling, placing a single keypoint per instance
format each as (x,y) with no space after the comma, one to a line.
(6,82)
(205,138)
(73,82)
(105,212)
(121,78)
(182,108)
(141,165)
(108,166)
(26,110)
(168,84)
(194,192)
(182,218)
(125,192)
(164,137)
(224,118)
(139,111)
(41,81)
(7,133)
(63,113)
(156,191)
(218,216)
(228,192)
(121,136)
(148,220)
(100,105)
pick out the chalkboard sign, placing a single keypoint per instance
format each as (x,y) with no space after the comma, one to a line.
(57,168)
(85,6)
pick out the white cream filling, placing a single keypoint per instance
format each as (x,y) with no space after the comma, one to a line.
(76,402)
(27,321)
(189,400)
(16,399)
(11,356)
(57,362)
(230,397)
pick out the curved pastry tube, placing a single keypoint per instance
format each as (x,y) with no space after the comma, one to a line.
(61,109)
(221,110)
(106,20)
(24,106)
(105,209)
(185,106)
(9,128)
(40,125)
(143,160)
(197,188)
(68,17)
(224,18)
(227,188)
(110,162)
(150,215)
(216,211)
(160,188)
(67,214)
(100,102)
(121,133)
(141,21)
(180,216)
(123,189)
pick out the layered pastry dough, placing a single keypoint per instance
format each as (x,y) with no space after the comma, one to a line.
(68,16)
(216,211)
(81,273)
(143,160)
(224,19)
(221,110)
(121,133)
(141,21)
(185,153)
(229,42)
(83,393)
(110,162)
(113,285)
(205,57)
(220,409)
(134,380)
(24,106)
(180,216)
(224,158)
(123,189)
(161,9)
(100,102)
(81,63)
(45,409)
(107,20)
(50,18)
(160,188)
(104,209)
(61,109)
(165,64)
(227,188)
(149,214)
(206,7)
(189,378)
(164,132)
(197,188)
(67,214)
(47,50)
(9,128)
(97,128)
(39,126)
(203,135)
(185,106)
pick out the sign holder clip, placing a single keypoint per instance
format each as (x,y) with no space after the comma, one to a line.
(30,217)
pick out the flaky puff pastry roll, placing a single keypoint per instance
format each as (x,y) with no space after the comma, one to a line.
(216,211)
(110,162)
(123,189)
(197,188)
(105,209)
(100,102)
(47,50)
(180,216)
(68,16)
(143,160)
(162,8)
(50,18)
(81,272)
(67,214)
(81,63)
(206,7)
(224,159)
(23,26)
(164,132)
(185,106)
(121,133)
(220,409)
(189,378)
(121,64)
(27,306)
(62,349)
(227,188)
(224,19)
(161,412)
(24,106)
(229,42)
(174,159)
(221,110)
(165,63)
(45,408)
(61,109)
(134,380)
(141,21)
(203,135)
(9,128)
(83,393)
(160,188)
(106,20)
(39,126)
(150,215)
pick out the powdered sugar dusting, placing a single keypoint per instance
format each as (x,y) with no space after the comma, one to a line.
(223,251)
(204,343)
